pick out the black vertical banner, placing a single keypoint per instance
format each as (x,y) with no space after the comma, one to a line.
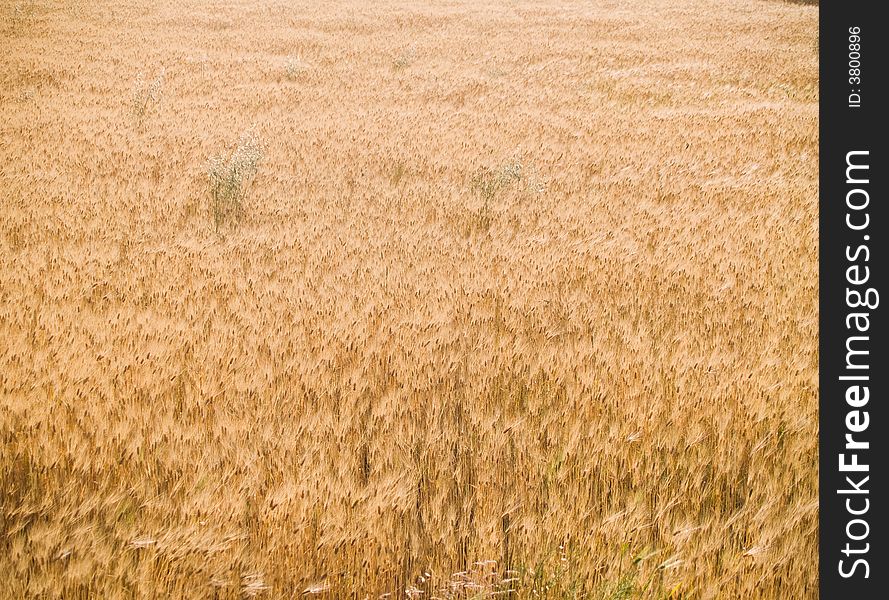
(854,439)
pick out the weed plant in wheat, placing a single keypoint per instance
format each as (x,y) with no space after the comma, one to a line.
(295,67)
(488,183)
(230,176)
(404,59)
(146,94)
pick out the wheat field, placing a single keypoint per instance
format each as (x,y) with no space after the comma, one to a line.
(408,299)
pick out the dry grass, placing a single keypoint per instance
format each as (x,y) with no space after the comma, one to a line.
(405,369)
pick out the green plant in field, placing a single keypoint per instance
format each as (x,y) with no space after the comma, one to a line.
(230,176)
(146,95)
(401,62)
(487,183)
(295,66)
(404,60)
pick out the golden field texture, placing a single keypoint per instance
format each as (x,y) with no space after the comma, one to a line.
(522,296)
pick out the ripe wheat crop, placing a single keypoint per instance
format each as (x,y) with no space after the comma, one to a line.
(521,300)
